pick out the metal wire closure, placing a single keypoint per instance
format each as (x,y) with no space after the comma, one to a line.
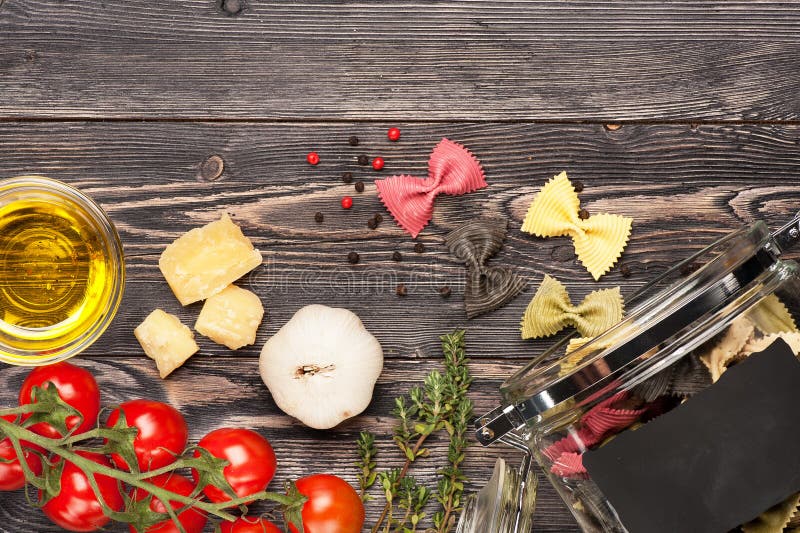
(515,441)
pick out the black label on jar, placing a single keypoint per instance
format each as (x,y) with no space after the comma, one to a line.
(715,462)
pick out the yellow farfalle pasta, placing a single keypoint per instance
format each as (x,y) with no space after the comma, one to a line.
(775,519)
(771,316)
(792,338)
(599,239)
(551,310)
(729,347)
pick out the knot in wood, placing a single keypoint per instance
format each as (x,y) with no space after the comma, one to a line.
(612,127)
(212,168)
(232,7)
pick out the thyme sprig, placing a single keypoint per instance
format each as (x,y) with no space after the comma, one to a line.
(439,405)
(450,487)
(367,474)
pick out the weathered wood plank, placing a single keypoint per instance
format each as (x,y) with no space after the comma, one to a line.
(684,187)
(511,59)
(214,393)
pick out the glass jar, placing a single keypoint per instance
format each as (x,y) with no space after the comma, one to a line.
(505,503)
(736,291)
(62,271)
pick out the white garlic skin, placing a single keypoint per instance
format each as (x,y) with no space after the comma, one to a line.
(321,366)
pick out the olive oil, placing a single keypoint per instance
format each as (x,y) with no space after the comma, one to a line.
(52,274)
(60,271)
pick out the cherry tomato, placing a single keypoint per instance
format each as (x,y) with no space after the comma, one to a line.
(252,461)
(249,524)
(76,508)
(76,386)
(193,520)
(162,433)
(12,477)
(333,506)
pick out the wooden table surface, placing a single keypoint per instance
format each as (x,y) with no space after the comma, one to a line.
(127,100)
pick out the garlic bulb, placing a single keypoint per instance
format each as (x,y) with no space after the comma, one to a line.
(321,366)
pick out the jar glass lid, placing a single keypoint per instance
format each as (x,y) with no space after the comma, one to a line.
(669,305)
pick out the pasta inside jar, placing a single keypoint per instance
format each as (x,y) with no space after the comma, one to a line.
(674,348)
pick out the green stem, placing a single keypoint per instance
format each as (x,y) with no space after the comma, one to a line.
(388,507)
(89,467)
(91,434)
(23,409)
(402,523)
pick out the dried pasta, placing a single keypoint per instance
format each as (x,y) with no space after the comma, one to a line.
(452,169)
(599,240)
(771,316)
(487,287)
(551,310)
(775,519)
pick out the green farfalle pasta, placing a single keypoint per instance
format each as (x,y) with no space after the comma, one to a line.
(551,310)
(775,519)
(771,316)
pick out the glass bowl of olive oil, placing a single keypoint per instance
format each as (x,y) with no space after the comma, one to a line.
(62,271)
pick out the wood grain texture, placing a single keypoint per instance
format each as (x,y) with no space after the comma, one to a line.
(684,186)
(215,394)
(336,59)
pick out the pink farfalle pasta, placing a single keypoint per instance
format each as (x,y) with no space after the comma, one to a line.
(452,169)
(569,464)
(602,421)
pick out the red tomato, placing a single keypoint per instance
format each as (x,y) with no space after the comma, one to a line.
(252,461)
(12,477)
(76,508)
(249,524)
(193,520)
(162,433)
(75,385)
(333,506)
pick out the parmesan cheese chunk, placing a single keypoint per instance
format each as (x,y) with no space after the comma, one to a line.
(231,317)
(203,261)
(165,340)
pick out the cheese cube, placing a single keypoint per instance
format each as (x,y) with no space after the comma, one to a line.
(203,261)
(165,340)
(231,317)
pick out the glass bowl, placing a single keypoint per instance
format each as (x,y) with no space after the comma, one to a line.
(62,271)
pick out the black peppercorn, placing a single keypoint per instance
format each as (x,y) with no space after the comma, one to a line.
(583,214)
(318,217)
(347,177)
(445,292)
(419,247)
(353,140)
(378,218)
(397,256)
(401,290)
(372,223)
(353,258)
(625,270)
(577,185)
(359,186)
(363,160)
